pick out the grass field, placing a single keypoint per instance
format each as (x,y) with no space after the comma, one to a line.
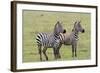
(44,21)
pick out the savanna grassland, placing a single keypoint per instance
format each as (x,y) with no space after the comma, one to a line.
(44,21)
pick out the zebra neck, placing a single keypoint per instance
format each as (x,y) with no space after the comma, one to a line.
(56,36)
(76,35)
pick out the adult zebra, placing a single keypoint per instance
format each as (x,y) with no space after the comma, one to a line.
(71,39)
(49,40)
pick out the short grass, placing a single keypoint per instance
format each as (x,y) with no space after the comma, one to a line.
(44,21)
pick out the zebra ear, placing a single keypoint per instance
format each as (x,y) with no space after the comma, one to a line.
(57,24)
(75,23)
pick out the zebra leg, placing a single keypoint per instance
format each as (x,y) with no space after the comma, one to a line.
(55,53)
(72,50)
(44,52)
(59,56)
(76,50)
(40,52)
(58,51)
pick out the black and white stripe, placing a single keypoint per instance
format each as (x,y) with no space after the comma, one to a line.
(47,40)
(72,38)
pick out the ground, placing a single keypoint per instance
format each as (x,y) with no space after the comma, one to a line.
(44,21)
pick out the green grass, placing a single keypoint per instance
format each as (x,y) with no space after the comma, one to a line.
(44,21)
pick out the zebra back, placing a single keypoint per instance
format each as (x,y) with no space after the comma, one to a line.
(42,38)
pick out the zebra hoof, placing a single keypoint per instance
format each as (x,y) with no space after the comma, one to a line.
(59,57)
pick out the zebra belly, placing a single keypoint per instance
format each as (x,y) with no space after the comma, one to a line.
(53,44)
(67,41)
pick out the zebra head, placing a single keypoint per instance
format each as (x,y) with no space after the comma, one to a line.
(58,28)
(78,27)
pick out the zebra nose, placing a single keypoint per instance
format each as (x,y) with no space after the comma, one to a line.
(64,31)
(83,31)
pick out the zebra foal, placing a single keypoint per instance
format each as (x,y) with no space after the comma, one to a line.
(71,39)
(49,40)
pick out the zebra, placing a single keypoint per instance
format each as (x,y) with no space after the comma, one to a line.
(71,39)
(49,40)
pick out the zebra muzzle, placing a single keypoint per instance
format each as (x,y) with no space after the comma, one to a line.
(83,31)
